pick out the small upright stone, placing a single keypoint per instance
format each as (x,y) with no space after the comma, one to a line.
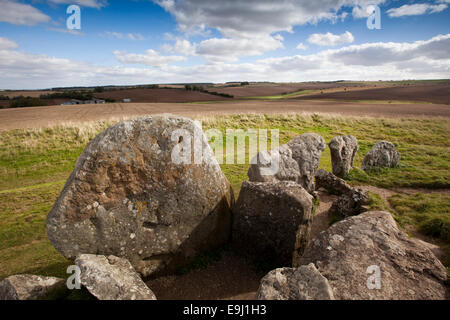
(307,150)
(343,150)
(264,168)
(272,221)
(383,155)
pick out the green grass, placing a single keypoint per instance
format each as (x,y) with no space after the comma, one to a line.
(34,163)
(285,95)
(428,214)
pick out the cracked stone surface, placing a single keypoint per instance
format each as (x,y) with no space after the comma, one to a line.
(112,278)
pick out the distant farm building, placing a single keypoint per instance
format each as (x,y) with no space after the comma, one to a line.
(72,102)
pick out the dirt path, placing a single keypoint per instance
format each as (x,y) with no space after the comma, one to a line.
(321,219)
(36,117)
(230,278)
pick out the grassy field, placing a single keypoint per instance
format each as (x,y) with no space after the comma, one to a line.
(34,164)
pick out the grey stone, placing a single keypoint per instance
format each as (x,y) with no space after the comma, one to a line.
(129,198)
(112,278)
(382,154)
(272,221)
(351,203)
(307,150)
(298,161)
(261,164)
(343,150)
(353,252)
(331,183)
(302,283)
(31,287)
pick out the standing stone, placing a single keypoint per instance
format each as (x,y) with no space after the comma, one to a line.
(303,283)
(343,150)
(31,287)
(129,196)
(368,257)
(112,278)
(261,166)
(272,221)
(382,154)
(307,150)
(298,161)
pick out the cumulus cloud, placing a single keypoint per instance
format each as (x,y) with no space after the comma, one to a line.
(19,13)
(374,54)
(237,18)
(229,49)
(86,3)
(329,39)
(416,9)
(427,59)
(225,49)
(150,58)
(181,46)
(6,44)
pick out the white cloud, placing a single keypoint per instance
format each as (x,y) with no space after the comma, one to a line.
(301,46)
(181,46)
(86,3)
(375,54)
(19,13)
(237,18)
(150,58)
(6,44)
(372,61)
(225,49)
(415,9)
(229,49)
(329,39)
(125,36)
(363,11)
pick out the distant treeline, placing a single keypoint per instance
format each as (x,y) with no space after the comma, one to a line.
(191,87)
(78,95)
(21,101)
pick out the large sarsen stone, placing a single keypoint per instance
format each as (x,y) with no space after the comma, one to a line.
(130,197)
(369,257)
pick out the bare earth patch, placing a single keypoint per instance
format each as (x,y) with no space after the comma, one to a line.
(230,278)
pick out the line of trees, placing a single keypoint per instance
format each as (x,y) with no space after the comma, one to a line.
(191,87)
(79,95)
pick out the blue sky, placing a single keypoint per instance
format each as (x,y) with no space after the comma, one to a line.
(173,41)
